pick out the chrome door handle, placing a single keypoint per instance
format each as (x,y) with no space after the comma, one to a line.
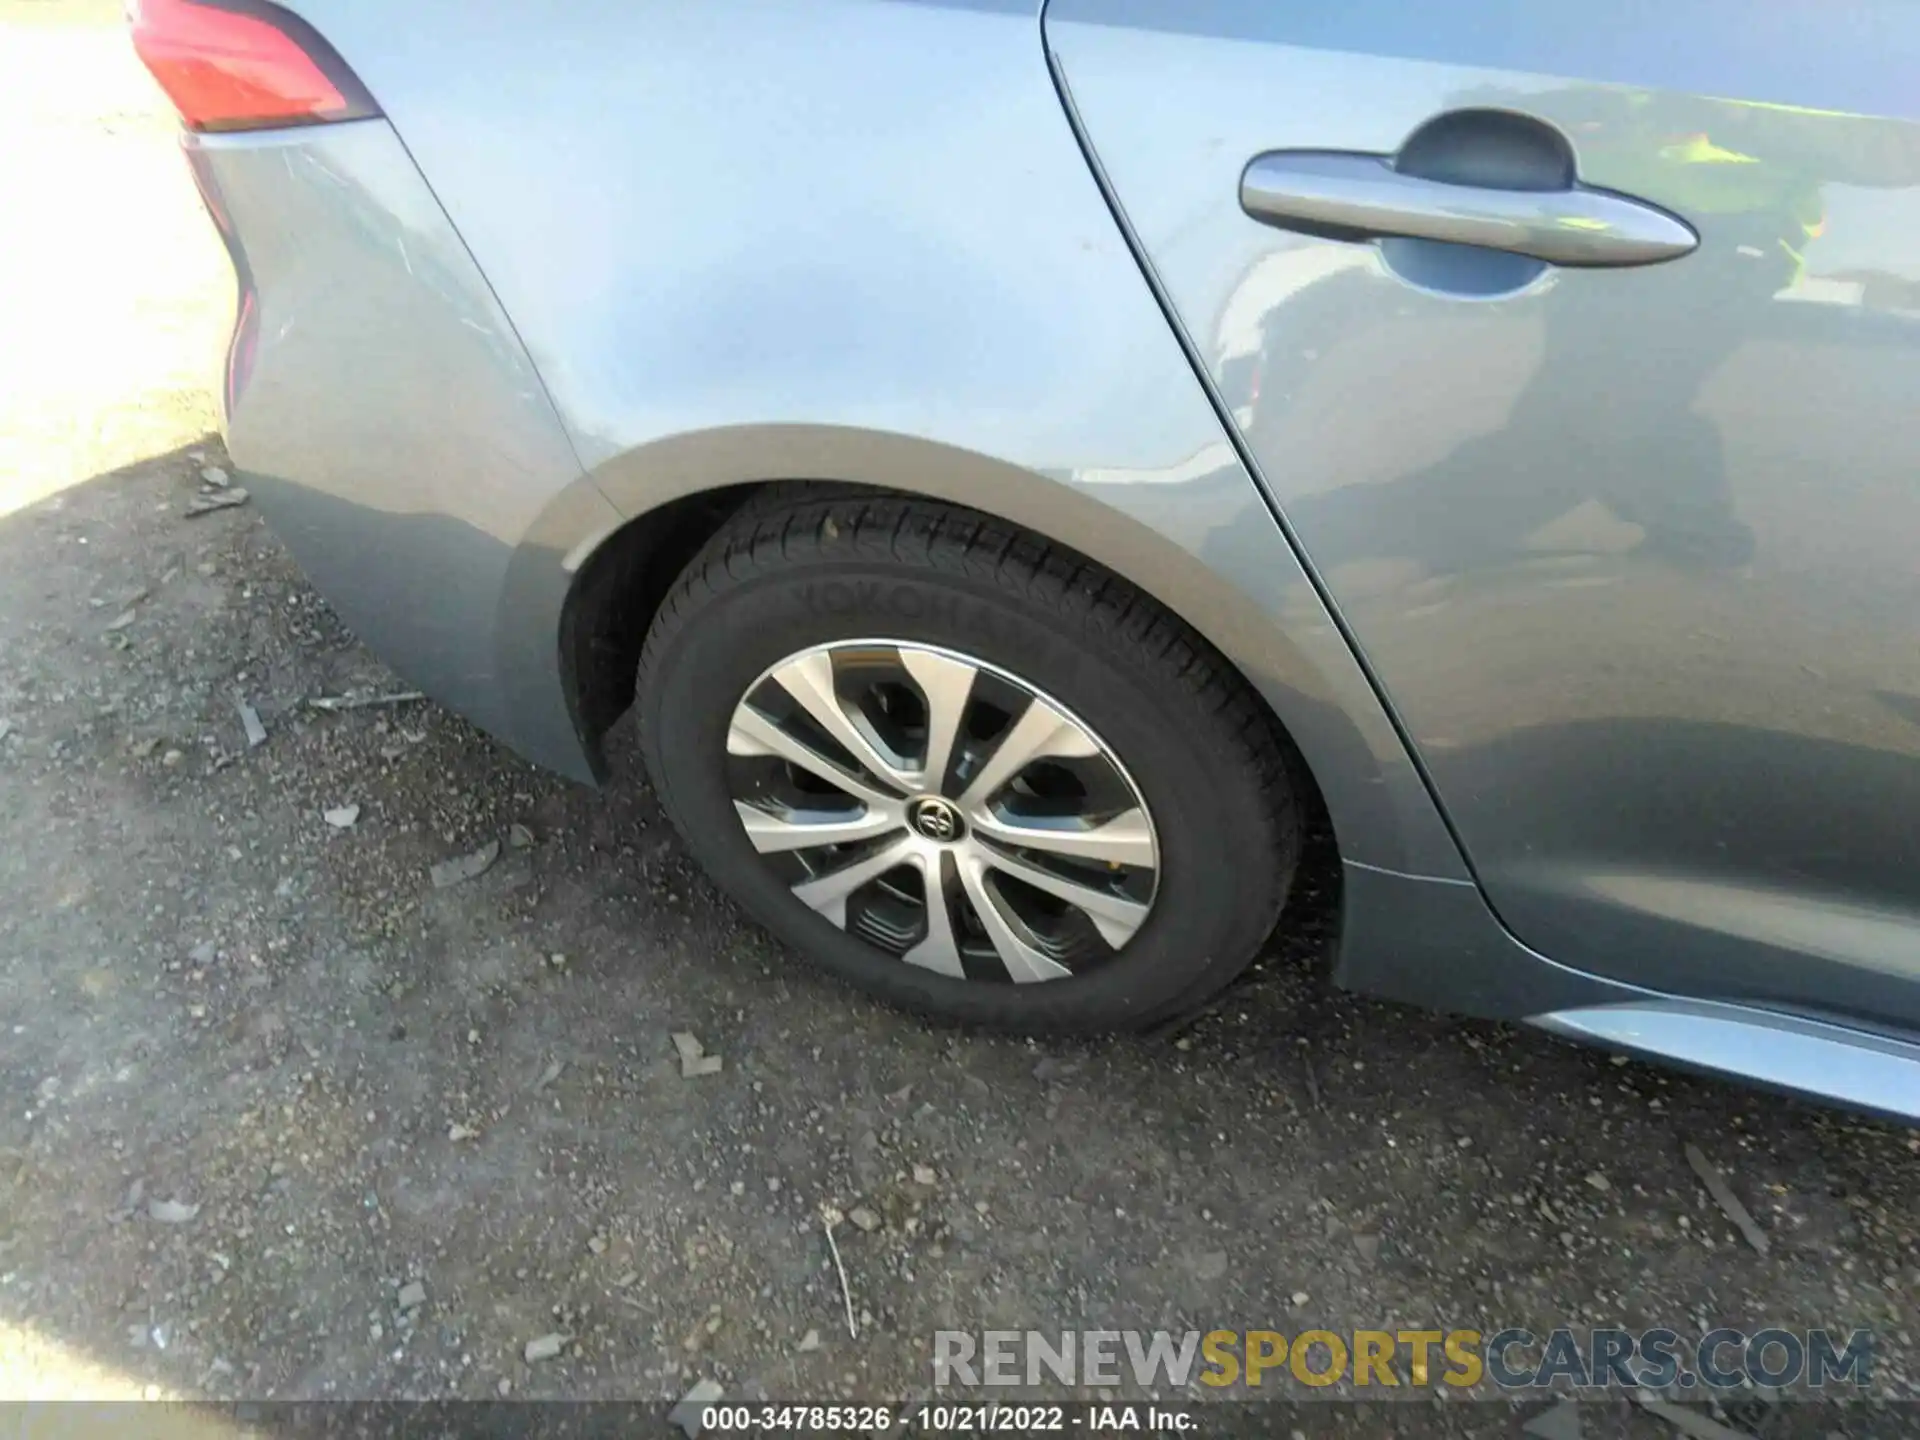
(1362,197)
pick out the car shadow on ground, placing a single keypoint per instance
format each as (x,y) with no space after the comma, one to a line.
(264,1077)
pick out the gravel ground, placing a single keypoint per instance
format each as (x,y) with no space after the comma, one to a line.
(261,1075)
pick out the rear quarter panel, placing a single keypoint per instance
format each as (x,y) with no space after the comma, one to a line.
(857,241)
(394,431)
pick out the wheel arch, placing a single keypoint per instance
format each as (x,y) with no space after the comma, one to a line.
(1242,590)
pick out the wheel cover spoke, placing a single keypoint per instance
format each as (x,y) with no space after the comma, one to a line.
(754,734)
(829,893)
(1126,839)
(939,950)
(1024,963)
(1040,733)
(809,680)
(772,833)
(947,685)
(1114,916)
(1035,851)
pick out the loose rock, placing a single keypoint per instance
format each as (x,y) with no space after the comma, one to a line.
(209,501)
(341,817)
(250,722)
(361,702)
(687,1413)
(465,867)
(694,1060)
(544,1348)
(412,1295)
(864,1219)
(1724,1197)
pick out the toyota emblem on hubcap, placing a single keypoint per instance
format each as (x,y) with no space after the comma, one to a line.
(935,819)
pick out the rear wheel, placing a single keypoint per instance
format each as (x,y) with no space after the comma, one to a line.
(963,769)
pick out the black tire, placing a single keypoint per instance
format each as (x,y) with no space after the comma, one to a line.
(801,567)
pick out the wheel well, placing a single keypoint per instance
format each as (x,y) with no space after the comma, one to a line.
(613,600)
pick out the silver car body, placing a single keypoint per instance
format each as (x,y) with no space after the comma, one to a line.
(1589,600)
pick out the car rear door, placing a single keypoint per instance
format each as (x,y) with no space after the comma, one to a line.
(1628,535)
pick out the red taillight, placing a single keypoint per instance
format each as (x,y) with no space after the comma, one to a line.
(243,65)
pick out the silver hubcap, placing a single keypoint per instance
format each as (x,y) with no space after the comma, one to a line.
(942,810)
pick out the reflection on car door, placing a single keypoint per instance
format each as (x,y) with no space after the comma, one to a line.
(1630,548)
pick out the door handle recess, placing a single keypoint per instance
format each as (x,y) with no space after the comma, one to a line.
(1362,197)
